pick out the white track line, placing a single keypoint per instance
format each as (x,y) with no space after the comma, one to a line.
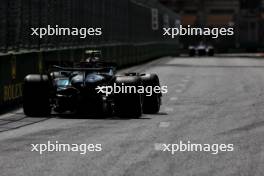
(158,146)
(181,86)
(185,80)
(173,98)
(168,109)
(178,90)
(164,124)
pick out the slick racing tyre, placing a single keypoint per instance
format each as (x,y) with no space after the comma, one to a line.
(128,104)
(191,52)
(151,103)
(36,96)
(210,52)
(107,110)
(201,52)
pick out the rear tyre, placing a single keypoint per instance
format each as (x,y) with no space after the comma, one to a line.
(211,52)
(107,109)
(191,52)
(128,104)
(36,96)
(151,103)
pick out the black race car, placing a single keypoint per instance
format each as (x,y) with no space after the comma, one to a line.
(79,89)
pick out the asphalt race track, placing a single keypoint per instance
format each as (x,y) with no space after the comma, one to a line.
(216,100)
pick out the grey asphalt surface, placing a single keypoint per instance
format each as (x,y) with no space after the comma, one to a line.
(210,100)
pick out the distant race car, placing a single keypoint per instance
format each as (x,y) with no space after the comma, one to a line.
(192,51)
(210,50)
(201,50)
(75,90)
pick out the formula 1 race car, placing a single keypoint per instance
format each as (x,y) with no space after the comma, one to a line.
(75,89)
(201,50)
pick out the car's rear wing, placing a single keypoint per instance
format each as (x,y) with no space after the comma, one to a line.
(96,69)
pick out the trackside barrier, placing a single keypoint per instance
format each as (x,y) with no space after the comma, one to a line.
(132,33)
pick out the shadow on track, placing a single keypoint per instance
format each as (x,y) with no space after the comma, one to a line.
(95,117)
(245,128)
(160,113)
